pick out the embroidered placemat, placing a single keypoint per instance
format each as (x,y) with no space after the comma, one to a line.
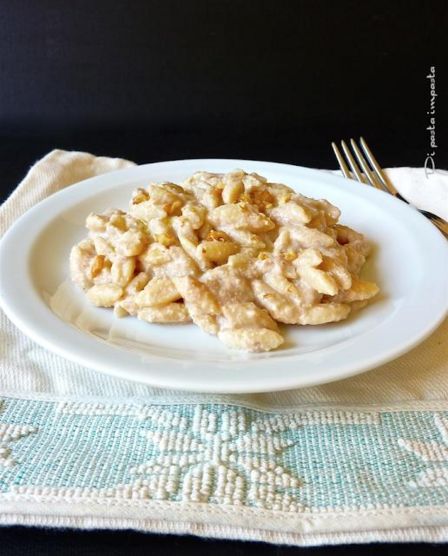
(359,460)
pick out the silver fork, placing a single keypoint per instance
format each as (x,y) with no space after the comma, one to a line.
(375,176)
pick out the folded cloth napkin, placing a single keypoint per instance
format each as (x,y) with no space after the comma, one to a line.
(363,459)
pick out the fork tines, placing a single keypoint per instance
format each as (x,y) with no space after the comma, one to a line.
(373,174)
(365,171)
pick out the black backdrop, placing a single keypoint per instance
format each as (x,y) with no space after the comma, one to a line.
(277,80)
(159,80)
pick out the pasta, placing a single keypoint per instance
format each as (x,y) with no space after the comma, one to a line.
(234,253)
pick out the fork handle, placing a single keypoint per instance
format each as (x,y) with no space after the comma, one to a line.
(438,222)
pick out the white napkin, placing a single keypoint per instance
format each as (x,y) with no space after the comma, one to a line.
(427,192)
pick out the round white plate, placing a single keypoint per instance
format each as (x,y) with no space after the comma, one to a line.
(409,262)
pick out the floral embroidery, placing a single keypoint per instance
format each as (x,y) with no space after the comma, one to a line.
(434,452)
(222,459)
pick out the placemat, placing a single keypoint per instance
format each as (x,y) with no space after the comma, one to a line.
(359,460)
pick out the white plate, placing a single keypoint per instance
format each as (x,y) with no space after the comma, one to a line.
(410,263)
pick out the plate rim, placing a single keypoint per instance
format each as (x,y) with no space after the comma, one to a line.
(19,319)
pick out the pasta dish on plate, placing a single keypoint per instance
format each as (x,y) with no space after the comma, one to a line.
(234,253)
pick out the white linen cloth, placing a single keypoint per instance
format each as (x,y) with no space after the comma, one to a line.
(417,381)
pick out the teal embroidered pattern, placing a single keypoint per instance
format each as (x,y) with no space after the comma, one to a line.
(434,452)
(8,434)
(222,458)
(301,461)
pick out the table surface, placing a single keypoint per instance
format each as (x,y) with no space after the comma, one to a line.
(20,541)
(152,81)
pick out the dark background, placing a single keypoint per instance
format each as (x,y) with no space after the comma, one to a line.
(170,79)
(261,79)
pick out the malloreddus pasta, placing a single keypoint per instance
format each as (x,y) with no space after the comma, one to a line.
(231,252)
